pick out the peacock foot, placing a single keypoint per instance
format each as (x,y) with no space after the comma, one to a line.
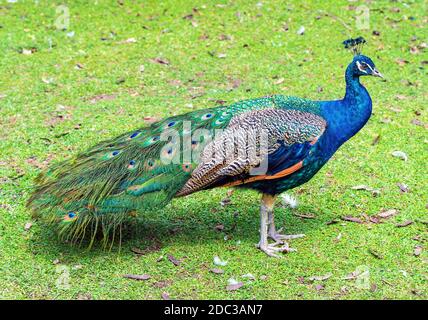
(278,237)
(273,249)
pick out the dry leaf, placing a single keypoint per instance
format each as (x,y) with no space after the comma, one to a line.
(234,286)
(279,81)
(387,214)
(165,296)
(102,97)
(404,224)
(217,271)
(138,277)
(174,261)
(352,219)
(219,227)
(219,262)
(150,120)
(418,250)
(403,187)
(159,61)
(376,254)
(320,278)
(400,154)
(319,287)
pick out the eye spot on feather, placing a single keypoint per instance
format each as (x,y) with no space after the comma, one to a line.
(168,153)
(187,167)
(151,140)
(132,164)
(150,164)
(115,153)
(134,135)
(207,116)
(171,124)
(71,216)
(194,144)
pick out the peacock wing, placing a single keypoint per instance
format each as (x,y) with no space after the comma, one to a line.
(257,145)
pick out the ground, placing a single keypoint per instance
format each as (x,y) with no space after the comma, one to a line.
(113,65)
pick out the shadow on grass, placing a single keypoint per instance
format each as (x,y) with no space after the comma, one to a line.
(176,225)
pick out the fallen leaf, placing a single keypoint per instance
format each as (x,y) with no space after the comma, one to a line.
(304,216)
(334,221)
(375,192)
(173,260)
(279,81)
(159,61)
(352,219)
(138,277)
(217,271)
(301,30)
(387,214)
(400,154)
(235,286)
(150,120)
(376,140)
(219,227)
(418,250)
(401,62)
(320,278)
(151,248)
(129,40)
(376,254)
(417,122)
(250,276)
(404,224)
(319,287)
(219,262)
(165,296)
(224,37)
(84,296)
(102,97)
(403,187)
(162,284)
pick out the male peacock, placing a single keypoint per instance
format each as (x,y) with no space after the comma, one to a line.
(269,144)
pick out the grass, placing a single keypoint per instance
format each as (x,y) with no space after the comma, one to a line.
(50,109)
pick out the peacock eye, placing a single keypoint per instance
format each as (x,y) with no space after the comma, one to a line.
(364,66)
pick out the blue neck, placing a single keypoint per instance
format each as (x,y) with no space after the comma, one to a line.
(347,116)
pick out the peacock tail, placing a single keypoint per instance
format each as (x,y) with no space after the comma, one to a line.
(138,171)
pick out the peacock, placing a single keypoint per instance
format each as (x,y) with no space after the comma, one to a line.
(269,144)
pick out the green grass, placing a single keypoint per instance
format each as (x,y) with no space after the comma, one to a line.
(37,89)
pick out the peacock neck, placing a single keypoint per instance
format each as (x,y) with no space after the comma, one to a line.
(355,91)
(347,116)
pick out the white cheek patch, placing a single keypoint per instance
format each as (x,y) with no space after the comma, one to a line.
(359,66)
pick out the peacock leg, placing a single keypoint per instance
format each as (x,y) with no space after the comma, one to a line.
(266,208)
(276,235)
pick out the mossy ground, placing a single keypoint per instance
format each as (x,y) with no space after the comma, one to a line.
(84,84)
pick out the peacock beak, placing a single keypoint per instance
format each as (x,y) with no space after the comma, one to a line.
(376,73)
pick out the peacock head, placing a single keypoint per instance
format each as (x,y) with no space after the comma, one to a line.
(361,65)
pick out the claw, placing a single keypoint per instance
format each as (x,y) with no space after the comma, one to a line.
(277,237)
(272,249)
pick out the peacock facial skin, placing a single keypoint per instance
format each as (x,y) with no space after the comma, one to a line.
(364,66)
